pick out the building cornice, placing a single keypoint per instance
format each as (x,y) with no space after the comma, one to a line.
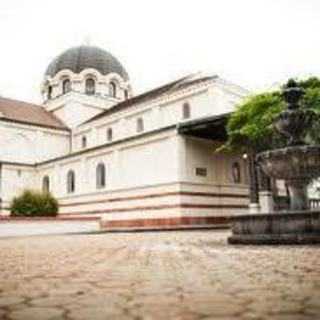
(17,164)
(34,124)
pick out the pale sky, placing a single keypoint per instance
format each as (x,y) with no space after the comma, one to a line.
(254,43)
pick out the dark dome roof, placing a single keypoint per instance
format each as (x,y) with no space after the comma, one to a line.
(83,57)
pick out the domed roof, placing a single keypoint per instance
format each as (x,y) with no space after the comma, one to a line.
(83,57)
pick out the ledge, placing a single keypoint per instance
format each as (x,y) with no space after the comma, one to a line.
(282,228)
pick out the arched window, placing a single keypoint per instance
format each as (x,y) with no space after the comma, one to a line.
(84,142)
(49,92)
(236,172)
(71,181)
(66,86)
(101,176)
(126,94)
(140,125)
(186,112)
(113,89)
(109,134)
(90,86)
(45,184)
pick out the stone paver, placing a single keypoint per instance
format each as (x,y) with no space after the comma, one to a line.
(37,314)
(156,275)
(30,228)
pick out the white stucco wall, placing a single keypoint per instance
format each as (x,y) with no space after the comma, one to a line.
(128,165)
(30,144)
(14,179)
(208,99)
(200,153)
(74,113)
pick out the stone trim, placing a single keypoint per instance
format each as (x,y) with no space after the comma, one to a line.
(163,223)
(162,207)
(159,195)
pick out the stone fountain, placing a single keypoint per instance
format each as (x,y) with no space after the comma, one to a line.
(298,164)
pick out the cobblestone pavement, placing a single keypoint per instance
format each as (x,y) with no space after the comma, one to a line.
(156,275)
(15,229)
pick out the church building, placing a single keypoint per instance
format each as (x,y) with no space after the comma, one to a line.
(135,161)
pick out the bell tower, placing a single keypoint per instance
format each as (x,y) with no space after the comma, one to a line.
(82,82)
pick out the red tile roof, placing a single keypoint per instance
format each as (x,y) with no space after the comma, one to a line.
(27,113)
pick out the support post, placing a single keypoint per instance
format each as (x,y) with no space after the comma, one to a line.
(265,193)
(254,206)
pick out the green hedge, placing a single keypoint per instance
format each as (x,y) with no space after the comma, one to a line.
(34,204)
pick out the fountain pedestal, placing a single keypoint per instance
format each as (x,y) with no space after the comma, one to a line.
(299,195)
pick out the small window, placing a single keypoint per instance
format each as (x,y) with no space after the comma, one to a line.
(109,134)
(186,112)
(126,94)
(84,142)
(201,172)
(66,86)
(101,176)
(49,92)
(113,89)
(90,86)
(45,184)
(236,172)
(140,125)
(71,181)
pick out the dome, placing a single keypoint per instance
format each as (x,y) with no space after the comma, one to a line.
(83,57)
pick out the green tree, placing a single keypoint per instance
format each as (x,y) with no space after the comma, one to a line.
(250,127)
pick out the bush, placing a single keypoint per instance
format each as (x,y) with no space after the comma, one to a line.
(34,204)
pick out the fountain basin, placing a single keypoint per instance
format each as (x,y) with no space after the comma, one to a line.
(297,165)
(299,227)
(291,163)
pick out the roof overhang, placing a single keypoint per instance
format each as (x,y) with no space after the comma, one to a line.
(212,128)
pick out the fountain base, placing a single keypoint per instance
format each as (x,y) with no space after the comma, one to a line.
(298,227)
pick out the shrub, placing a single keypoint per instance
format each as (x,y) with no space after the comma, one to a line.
(34,204)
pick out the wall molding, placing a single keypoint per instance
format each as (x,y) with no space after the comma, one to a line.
(161,207)
(159,195)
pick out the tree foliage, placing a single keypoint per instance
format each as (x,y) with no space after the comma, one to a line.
(250,127)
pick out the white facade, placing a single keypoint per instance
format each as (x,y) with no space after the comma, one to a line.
(151,170)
